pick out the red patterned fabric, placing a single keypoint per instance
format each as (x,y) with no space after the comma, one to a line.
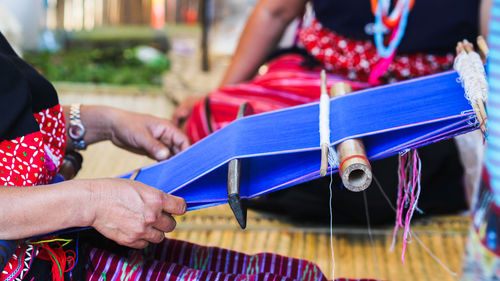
(19,264)
(29,160)
(288,82)
(22,161)
(52,127)
(175,260)
(35,158)
(356,59)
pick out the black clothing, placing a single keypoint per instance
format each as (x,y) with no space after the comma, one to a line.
(434,27)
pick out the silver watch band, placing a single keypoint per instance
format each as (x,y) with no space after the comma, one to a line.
(76,130)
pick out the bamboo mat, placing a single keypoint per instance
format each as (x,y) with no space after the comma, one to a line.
(355,257)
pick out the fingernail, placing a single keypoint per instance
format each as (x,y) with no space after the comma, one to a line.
(184,206)
(162,154)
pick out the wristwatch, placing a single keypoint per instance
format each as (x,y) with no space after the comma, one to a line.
(76,130)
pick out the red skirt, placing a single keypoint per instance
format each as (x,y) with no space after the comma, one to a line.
(286,83)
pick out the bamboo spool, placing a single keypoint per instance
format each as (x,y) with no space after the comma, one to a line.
(354,170)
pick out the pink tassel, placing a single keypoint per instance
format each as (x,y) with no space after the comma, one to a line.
(409,189)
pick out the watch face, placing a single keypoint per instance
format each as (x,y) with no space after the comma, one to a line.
(76,131)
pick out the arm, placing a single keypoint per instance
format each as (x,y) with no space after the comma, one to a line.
(138,133)
(126,211)
(260,36)
(262,32)
(484,17)
(36,210)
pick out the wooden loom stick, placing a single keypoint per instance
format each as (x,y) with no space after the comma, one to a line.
(354,169)
(135,174)
(483,46)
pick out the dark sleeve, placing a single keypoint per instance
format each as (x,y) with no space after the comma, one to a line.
(43,94)
(16,115)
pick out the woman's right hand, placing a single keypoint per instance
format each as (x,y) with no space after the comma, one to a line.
(132,213)
(184,110)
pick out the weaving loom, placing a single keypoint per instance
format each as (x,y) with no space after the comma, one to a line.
(281,148)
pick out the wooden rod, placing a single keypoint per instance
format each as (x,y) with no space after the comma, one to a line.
(324,146)
(483,46)
(324,160)
(355,170)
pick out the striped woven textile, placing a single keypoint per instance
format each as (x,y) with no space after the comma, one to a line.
(482,253)
(176,260)
(492,159)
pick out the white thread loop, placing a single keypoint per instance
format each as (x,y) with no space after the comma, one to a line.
(472,76)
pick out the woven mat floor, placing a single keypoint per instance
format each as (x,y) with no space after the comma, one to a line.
(355,256)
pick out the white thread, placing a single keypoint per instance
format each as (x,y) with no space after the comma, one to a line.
(333,158)
(472,76)
(447,269)
(414,235)
(370,235)
(331,226)
(324,119)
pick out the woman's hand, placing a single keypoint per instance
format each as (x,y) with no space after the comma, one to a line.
(128,212)
(140,133)
(131,213)
(145,134)
(184,110)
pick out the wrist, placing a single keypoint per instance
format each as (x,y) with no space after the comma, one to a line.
(73,196)
(98,122)
(86,198)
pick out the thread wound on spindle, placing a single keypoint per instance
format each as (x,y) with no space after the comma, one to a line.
(354,169)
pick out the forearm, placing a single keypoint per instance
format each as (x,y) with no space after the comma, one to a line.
(262,32)
(28,211)
(484,16)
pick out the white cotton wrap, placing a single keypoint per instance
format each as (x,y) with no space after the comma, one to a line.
(324,119)
(472,76)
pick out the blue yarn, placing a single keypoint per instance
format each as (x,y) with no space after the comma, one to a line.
(76,259)
(382,50)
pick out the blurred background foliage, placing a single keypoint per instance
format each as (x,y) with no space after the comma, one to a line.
(140,65)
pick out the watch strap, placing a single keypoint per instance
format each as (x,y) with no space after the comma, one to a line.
(75,121)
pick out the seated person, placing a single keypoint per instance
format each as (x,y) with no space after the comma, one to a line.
(339,39)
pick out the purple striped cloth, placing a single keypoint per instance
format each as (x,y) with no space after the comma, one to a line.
(176,260)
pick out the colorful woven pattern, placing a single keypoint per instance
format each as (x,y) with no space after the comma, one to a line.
(175,260)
